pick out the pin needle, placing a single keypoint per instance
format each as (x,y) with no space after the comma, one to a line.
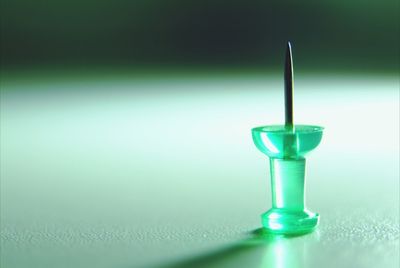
(289,86)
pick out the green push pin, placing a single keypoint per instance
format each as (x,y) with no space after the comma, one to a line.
(286,145)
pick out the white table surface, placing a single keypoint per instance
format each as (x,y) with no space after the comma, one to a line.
(163,173)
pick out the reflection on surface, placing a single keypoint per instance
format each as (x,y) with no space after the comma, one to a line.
(288,252)
(261,250)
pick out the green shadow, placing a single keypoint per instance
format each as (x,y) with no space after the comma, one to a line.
(261,250)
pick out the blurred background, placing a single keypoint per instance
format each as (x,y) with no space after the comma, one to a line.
(125,131)
(328,36)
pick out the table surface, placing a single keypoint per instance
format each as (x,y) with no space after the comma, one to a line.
(129,172)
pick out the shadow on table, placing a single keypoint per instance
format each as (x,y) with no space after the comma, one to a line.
(260,250)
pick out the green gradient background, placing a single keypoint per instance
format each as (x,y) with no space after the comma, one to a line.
(358,34)
(125,132)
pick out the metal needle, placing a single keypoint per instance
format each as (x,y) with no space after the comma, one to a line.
(289,86)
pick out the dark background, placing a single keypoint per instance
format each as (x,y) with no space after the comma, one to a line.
(340,35)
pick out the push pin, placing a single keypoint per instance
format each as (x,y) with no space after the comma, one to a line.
(286,145)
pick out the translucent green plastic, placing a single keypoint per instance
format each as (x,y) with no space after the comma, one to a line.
(286,148)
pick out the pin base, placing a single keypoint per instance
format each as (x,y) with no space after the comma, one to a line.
(287,222)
